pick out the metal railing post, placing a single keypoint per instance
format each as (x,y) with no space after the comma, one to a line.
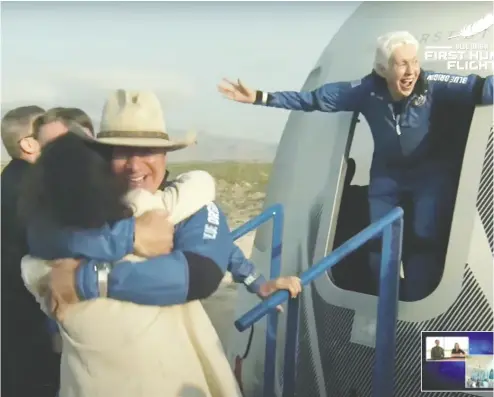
(276,213)
(387,310)
(272,320)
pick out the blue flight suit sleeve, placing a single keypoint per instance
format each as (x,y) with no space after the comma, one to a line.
(105,244)
(331,97)
(471,89)
(487,91)
(108,244)
(194,270)
(243,271)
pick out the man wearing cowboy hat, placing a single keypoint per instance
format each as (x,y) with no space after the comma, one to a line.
(154,232)
(132,127)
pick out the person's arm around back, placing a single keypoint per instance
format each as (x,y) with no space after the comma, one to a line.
(187,194)
(148,235)
(193,270)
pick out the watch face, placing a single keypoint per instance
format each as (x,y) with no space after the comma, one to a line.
(103,270)
(103,266)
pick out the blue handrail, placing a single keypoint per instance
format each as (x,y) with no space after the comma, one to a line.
(391,228)
(274,212)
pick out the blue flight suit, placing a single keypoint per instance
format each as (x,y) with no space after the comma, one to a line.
(163,280)
(403,162)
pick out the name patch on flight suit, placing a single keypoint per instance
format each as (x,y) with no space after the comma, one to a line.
(448,78)
(213,221)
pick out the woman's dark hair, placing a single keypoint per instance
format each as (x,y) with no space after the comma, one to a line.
(73,185)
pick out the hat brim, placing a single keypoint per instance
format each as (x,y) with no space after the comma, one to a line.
(141,142)
(145,143)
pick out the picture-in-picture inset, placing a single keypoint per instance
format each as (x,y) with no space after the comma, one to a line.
(479,372)
(446,348)
(457,361)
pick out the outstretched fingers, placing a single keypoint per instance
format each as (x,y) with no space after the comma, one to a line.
(228,88)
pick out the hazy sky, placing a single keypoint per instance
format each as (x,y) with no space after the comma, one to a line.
(74,53)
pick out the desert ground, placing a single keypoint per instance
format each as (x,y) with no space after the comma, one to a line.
(240,189)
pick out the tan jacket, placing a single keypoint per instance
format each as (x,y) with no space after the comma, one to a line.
(113,348)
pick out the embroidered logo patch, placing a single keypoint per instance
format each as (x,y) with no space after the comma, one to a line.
(376,96)
(420,100)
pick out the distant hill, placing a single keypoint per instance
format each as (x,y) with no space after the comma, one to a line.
(219,148)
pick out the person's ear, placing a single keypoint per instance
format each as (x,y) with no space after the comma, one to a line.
(29,145)
(381,70)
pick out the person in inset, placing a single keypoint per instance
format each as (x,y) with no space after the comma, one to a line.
(396,100)
(29,365)
(457,352)
(437,352)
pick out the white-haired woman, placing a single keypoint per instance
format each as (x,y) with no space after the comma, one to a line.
(396,99)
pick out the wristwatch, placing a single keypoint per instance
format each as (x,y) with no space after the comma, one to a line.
(262,98)
(102,270)
(250,279)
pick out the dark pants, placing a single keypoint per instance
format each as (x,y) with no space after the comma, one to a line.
(30,368)
(427,217)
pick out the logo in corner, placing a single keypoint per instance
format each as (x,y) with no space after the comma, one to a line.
(475,28)
(469,56)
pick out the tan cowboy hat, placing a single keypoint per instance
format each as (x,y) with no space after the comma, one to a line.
(135,118)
